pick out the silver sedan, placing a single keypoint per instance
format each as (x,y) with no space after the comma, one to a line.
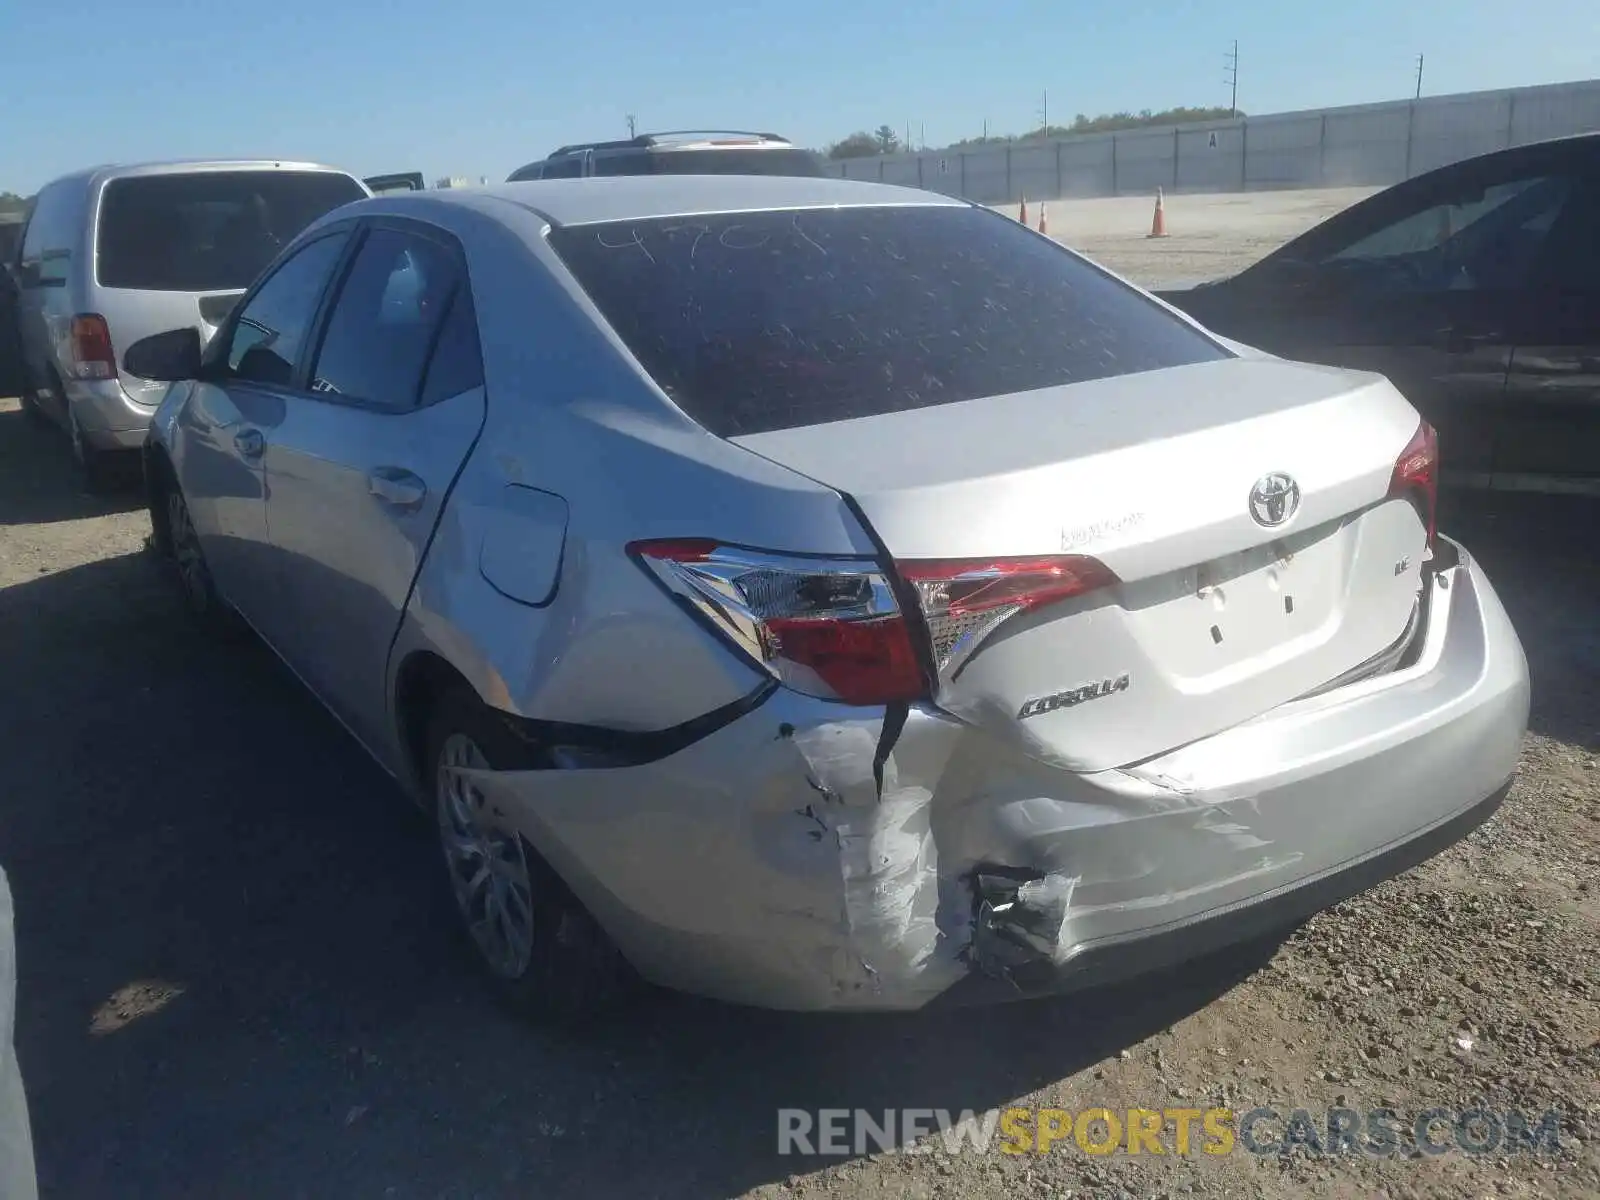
(820,595)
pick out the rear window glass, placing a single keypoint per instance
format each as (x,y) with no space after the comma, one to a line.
(754,322)
(207,231)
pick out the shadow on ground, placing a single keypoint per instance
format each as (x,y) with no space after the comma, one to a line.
(1542,553)
(36,476)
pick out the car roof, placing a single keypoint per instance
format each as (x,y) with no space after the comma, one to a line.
(598,199)
(192,166)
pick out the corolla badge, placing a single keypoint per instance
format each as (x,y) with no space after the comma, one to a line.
(1274,499)
(1072,697)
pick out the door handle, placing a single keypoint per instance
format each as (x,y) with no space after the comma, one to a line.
(397,487)
(249,443)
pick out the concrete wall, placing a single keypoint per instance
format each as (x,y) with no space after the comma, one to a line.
(1371,144)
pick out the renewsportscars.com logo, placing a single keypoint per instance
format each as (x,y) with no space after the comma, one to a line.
(1264,1130)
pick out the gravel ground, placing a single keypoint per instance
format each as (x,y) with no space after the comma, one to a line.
(234,981)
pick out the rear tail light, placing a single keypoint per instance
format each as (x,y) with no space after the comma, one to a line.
(92,355)
(833,628)
(824,627)
(1416,477)
(965,600)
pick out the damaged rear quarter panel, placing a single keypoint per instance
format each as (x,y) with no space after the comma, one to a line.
(766,864)
(763,864)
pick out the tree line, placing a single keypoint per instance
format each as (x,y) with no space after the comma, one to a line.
(10,202)
(884,140)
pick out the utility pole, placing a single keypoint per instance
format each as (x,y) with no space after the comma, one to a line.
(1419,77)
(1044,113)
(632,126)
(1232,67)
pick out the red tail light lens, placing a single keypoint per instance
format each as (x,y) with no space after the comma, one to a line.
(1416,477)
(825,627)
(965,600)
(92,355)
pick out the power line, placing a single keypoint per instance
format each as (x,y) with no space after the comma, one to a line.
(1231,65)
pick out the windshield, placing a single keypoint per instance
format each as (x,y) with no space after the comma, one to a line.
(207,231)
(759,321)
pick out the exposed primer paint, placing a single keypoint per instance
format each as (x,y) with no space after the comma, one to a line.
(882,831)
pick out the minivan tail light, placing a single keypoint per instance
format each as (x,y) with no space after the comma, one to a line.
(92,355)
(965,600)
(1416,477)
(822,626)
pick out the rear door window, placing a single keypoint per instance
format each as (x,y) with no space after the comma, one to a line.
(207,231)
(737,162)
(382,327)
(621,162)
(753,322)
(45,253)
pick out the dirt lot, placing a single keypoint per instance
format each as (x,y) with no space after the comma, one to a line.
(235,981)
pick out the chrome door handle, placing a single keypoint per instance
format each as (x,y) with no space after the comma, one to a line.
(249,443)
(397,487)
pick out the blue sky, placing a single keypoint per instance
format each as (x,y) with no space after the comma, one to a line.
(477,87)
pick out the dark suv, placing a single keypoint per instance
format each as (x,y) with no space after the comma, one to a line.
(682,152)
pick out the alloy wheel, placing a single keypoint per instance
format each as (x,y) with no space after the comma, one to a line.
(488,866)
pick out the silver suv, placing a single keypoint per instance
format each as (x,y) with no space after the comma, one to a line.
(112,254)
(683,152)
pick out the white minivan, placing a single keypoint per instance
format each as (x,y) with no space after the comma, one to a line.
(112,254)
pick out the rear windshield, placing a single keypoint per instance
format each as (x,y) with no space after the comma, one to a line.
(208,231)
(754,322)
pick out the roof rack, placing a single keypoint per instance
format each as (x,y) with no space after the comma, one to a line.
(645,141)
(651,138)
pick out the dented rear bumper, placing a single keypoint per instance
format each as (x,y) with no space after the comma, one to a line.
(816,856)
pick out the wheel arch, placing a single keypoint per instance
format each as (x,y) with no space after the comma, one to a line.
(423,677)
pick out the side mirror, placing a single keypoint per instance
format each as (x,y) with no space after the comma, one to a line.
(165,357)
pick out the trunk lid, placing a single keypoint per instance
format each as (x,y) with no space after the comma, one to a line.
(1214,617)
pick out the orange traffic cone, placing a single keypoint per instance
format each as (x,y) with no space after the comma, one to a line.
(1023,215)
(1158,223)
(1044,219)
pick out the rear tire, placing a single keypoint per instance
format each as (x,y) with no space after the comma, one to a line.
(204,603)
(545,955)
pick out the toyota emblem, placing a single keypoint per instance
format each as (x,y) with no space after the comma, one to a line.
(1274,499)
